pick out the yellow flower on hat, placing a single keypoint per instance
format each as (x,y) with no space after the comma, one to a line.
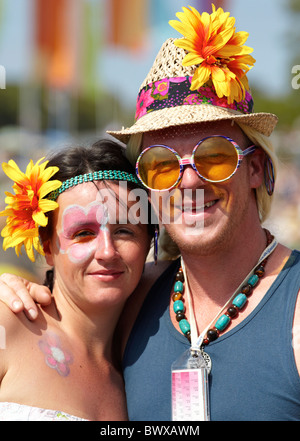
(212,42)
(26,208)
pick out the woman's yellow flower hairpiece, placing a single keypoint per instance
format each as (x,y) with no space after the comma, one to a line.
(213,43)
(26,208)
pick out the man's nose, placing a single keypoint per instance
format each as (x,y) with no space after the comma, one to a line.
(190,178)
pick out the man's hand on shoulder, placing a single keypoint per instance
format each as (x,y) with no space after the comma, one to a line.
(20,294)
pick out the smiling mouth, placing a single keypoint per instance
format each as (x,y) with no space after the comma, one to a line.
(106,273)
(210,204)
(193,208)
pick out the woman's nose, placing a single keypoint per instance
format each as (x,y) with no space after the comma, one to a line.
(105,247)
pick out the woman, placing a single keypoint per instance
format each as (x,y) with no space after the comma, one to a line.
(98,258)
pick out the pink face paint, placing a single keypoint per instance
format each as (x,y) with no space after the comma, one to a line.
(55,357)
(77,219)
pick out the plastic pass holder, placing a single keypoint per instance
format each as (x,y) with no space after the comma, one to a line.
(190,396)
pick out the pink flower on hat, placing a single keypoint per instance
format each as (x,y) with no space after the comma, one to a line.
(144,100)
(207,91)
(160,88)
(193,98)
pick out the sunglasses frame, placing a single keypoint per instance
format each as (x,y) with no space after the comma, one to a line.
(190,161)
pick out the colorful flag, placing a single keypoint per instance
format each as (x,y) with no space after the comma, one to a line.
(55,48)
(128,23)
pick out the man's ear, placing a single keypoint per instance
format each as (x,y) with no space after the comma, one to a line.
(48,253)
(256,168)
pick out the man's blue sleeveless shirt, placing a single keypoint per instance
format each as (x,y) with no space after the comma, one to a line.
(254,376)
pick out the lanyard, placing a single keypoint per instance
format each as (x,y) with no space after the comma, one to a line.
(196,341)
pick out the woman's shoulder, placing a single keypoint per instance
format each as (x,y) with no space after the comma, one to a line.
(17,335)
(9,320)
(10,336)
(16,325)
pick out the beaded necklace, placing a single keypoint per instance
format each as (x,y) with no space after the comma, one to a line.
(238,302)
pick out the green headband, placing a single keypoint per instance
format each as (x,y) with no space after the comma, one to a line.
(111,175)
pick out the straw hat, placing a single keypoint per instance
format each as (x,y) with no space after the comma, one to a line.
(165,100)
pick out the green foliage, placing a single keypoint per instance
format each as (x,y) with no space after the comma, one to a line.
(9,99)
(294,6)
(286,107)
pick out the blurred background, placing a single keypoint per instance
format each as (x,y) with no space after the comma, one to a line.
(71,69)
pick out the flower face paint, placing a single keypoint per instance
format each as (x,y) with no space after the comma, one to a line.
(55,357)
(82,228)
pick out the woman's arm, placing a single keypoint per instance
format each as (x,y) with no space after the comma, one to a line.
(20,295)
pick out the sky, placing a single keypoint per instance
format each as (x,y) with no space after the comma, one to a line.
(267,22)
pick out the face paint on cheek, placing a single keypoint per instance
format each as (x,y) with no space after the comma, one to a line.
(75,217)
(79,253)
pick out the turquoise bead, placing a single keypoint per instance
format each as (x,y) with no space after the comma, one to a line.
(178,306)
(178,287)
(240,300)
(222,322)
(253,280)
(184,326)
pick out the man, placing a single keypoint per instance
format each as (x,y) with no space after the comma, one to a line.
(245,328)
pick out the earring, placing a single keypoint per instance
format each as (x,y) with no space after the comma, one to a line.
(269,176)
(156,233)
